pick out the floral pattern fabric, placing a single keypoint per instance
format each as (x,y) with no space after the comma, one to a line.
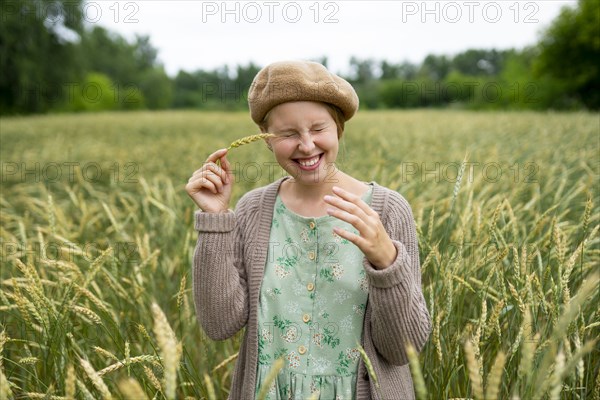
(312,303)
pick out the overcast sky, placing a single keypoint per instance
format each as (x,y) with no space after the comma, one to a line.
(207,34)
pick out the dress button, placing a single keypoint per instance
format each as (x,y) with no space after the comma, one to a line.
(302,349)
(306,318)
(311,255)
(312,225)
(310,286)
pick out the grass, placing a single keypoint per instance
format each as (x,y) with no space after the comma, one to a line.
(96,298)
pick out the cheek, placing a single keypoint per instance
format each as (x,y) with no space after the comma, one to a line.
(331,142)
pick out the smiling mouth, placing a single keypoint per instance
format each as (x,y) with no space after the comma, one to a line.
(308,162)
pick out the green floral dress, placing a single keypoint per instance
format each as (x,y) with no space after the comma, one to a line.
(312,304)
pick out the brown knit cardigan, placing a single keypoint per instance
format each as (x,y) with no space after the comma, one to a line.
(229,262)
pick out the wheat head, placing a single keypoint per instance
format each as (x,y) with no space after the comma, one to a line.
(249,139)
(131,389)
(168,349)
(270,378)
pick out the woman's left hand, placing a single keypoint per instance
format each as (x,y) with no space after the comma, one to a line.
(373,240)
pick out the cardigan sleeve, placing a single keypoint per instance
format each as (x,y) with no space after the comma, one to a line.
(400,314)
(219,274)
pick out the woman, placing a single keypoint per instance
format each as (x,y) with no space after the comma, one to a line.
(312,264)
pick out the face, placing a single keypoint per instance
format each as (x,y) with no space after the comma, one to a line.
(306,143)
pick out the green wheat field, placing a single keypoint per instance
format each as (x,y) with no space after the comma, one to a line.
(97,238)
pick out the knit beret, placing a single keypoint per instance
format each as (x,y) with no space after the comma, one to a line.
(285,81)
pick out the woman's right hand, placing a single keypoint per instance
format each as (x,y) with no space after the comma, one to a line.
(210,186)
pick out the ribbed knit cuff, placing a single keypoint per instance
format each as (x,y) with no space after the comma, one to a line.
(214,222)
(397,273)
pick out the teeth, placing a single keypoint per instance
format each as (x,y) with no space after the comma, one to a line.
(309,163)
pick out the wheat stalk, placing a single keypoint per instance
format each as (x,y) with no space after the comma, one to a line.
(131,389)
(249,139)
(3,339)
(104,352)
(580,368)
(84,390)
(51,214)
(557,238)
(168,349)
(568,314)
(89,314)
(528,346)
(473,368)
(70,383)
(430,225)
(210,388)
(46,396)
(368,365)
(494,321)
(417,375)
(143,331)
(270,378)
(152,378)
(556,376)
(181,293)
(97,302)
(436,336)
(226,361)
(96,379)
(5,391)
(494,377)
(126,362)
(29,360)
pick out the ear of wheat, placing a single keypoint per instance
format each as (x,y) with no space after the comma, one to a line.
(249,139)
(270,378)
(246,140)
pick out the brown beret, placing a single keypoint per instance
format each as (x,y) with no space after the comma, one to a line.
(285,81)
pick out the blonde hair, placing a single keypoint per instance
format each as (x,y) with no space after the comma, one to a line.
(336,114)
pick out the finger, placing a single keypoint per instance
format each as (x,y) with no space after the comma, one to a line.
(346,195)
(352,237)
(202,182)
(210,177)
(226,167)
(211,167)
(220,171)
(352,219)
(215,179)
(203,168)
(217,154)
(347,206)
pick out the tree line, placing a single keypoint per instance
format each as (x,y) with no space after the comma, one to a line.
(57,63)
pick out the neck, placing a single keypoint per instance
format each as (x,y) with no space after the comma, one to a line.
(313,192)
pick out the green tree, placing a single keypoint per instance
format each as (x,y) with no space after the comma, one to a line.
(479,62)
(157,88)
(363,70)
(435,67)
(570,50)
(96,93)
(38,46)
(110,54)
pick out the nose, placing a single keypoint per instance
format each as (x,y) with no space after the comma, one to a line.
(306,143)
